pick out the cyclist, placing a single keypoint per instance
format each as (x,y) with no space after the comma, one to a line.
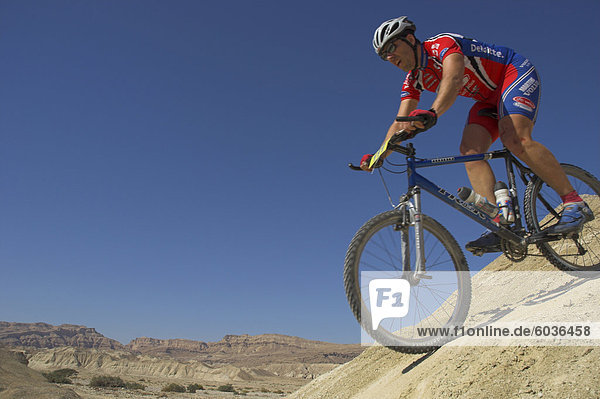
(496,78)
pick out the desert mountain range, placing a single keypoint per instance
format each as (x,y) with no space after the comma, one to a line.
(239,350)
(270,361)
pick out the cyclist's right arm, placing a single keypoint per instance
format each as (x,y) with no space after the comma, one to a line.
(406,107)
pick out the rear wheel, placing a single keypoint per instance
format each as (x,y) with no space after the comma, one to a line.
(543,208)
(386,244)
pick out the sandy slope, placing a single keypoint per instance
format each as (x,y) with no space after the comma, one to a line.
(486,371)
(455,372)
(17,381)
(531,291)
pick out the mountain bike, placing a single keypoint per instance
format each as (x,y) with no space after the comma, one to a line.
(410,245)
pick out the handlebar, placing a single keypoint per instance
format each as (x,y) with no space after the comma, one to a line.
(410,119)
(400,136)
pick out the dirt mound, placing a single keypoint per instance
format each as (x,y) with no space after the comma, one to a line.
(454,372)
(17,381)
(533,291)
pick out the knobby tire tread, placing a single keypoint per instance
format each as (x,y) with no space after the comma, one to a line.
(531,192)
(351,265)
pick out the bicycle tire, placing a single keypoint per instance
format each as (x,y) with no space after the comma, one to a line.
(366,246)
(565,253)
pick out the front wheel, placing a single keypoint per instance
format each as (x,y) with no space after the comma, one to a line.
(440,302)
(543,208)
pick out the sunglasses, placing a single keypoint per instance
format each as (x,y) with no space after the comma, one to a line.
(390,49)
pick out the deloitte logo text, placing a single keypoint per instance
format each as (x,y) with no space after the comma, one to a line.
(487,50)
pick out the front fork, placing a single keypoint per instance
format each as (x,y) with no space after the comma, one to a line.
(413,216)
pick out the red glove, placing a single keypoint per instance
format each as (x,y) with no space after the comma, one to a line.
(430,118)
(366,159)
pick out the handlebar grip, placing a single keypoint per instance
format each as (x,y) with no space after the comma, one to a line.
(410,119)
(402,136)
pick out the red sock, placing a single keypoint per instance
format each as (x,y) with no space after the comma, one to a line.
(571,197)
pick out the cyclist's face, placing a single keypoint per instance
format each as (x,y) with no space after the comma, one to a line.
(401,54)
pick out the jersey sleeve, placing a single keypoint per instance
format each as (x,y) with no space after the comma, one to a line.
(409,91)
(442,46)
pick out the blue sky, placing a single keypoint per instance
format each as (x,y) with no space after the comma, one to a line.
(177,169)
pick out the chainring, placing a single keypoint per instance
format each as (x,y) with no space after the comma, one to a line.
(514,252)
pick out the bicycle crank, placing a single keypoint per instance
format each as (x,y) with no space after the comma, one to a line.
(514,252)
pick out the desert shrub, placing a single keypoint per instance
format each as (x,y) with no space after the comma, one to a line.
(134,385)
(106,381)
(226,388)
(174,388)
(60,376)
(192,388)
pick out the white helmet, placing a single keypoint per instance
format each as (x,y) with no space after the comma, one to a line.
(392,29)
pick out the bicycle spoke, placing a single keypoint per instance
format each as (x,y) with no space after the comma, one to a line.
(442,300)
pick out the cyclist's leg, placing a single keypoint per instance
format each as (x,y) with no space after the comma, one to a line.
(478,135)
(518,107)
(515,133)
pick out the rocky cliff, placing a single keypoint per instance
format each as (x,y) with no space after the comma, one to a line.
(181,347)
(42,335)
(247,350)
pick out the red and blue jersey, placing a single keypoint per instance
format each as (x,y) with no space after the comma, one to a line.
(494,76)
(485,66)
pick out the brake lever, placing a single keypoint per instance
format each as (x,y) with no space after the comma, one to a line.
(402,135)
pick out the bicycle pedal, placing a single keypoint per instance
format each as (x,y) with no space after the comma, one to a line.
(477,252)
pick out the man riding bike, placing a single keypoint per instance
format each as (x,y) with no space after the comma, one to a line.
(498,79)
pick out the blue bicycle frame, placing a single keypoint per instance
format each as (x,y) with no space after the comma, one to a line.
(416,182)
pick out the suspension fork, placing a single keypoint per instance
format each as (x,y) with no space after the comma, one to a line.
(419,244)
(413,213)
(414,191)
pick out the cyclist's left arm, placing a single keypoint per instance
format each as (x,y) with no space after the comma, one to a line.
(451,83)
